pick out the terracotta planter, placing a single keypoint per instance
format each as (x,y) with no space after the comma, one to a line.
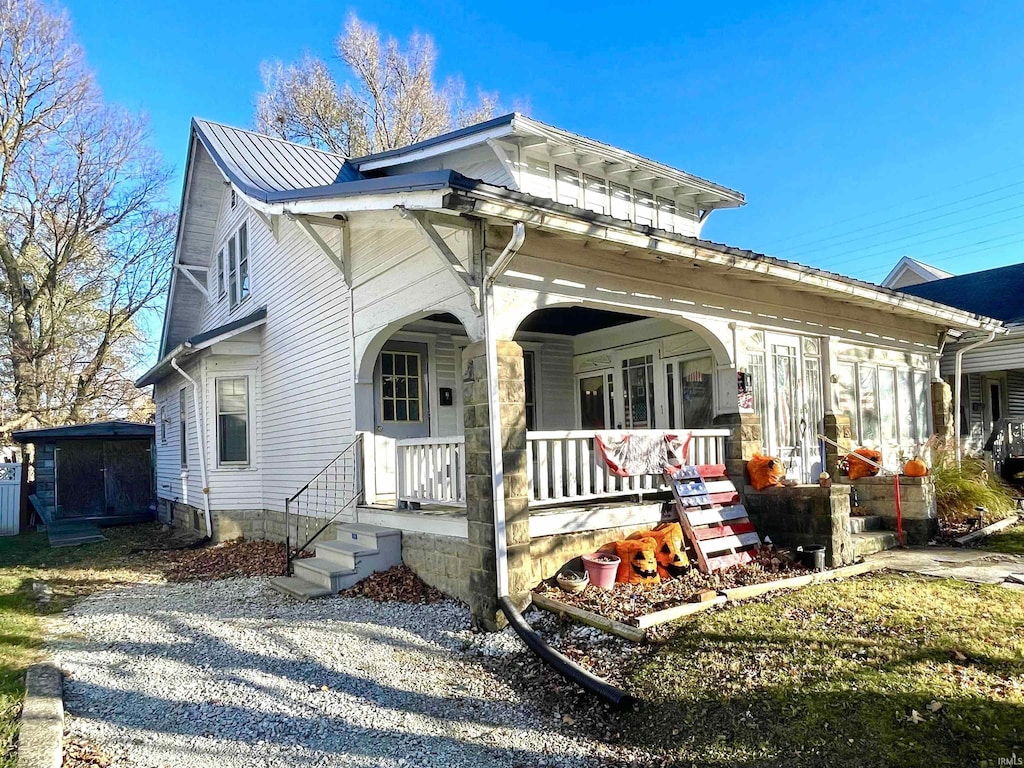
(601,568)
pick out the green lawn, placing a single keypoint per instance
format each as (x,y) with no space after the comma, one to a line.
(833,674)
(71,572)
(1010,541)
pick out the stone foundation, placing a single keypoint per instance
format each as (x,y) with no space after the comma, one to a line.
(804,515)
(877,496)
(549,553)
(231,524)
(441,561)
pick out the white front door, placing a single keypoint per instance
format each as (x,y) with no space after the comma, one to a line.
(793,405)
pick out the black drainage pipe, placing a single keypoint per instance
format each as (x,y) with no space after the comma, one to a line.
(564,666)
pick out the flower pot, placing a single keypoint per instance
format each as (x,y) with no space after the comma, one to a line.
(601,568)
(573,582)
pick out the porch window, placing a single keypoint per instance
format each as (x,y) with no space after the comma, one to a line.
(401,390)
(638,391)
(644,207)
(233,420)
(595,194)
(622,201)
(183,427)
(567,185)
(529,382)
(696,386)
(887,406)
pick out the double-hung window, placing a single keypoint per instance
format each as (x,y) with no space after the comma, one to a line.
(183,426)
(237,266)
(233,420)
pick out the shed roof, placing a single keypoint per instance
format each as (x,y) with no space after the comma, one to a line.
(100,430)
(993,292)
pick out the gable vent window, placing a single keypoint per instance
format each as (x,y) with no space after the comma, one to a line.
(238,267)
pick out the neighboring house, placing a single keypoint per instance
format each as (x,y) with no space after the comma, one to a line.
(910,271)
(992,374)
(336,314)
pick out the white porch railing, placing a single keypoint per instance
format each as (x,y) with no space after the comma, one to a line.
(562,467)
(431,470)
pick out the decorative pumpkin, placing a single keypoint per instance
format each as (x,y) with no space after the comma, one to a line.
(671,551)
(857,468)
(915,468)
(638,564)
(765,471)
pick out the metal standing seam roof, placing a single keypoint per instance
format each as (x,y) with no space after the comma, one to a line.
(997,293)
(100,430)
(261,165)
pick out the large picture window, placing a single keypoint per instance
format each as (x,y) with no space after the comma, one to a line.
(401,390)
(233,420)
(887,406)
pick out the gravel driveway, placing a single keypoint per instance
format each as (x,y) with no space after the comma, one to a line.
(228,673)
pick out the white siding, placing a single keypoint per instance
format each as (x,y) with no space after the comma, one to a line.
(234,487)
(306,368)
(170,484)
(218,310)
(478,162)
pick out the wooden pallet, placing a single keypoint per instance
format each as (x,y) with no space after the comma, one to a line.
(712,519)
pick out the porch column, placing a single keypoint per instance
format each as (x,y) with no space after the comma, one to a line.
(837,428)
(942,410)
(483,583)
(835,424)
(742,445)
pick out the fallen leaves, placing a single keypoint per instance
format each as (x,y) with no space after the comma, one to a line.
(398,584)
(227,560)
(78,753)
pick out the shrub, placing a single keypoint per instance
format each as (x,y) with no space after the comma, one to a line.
(959,490)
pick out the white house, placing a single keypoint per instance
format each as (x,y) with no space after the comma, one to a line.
(325,315)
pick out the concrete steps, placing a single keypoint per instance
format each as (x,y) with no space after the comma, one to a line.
(358,551)
(870,542)
(861,524)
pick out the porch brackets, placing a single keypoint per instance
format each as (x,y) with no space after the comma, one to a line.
(421,220)
(317,239)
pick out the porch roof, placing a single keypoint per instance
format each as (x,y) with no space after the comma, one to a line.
(202,341)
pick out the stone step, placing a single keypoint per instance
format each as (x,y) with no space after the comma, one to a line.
(346,554)
(862,523)
(869,542)
(324,573)
(300,589)
(366,535)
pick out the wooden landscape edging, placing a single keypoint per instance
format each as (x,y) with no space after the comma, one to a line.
(587,617)
(643,623)
(988,530)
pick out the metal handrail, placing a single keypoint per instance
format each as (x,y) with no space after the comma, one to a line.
(352,451)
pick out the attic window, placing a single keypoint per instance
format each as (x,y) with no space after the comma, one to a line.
(234,198)
(238,266)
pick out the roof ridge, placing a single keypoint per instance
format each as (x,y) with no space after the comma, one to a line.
(271,138)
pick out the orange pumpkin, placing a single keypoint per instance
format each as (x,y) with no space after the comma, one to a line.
(638,564)
(765,471)
(858,468)
(915,468)
(671,551)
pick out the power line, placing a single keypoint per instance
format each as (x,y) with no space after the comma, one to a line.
(861,232)
(871,212)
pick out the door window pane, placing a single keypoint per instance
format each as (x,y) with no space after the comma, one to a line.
(869,422)
(530,385)
(696,380)
(592,403)
(759,384)
(638,378)
(814,413)
(401,391)
(786,386)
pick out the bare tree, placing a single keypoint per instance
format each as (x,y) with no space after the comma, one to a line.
(83,245)
(390,100)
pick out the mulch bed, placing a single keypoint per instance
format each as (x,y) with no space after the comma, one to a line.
(398,584)
(628,601)
(231,559)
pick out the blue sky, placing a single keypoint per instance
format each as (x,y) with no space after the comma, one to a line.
(859,132)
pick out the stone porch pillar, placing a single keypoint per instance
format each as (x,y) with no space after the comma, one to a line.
(837,428)
(742,445)
(942,410)
(479,499)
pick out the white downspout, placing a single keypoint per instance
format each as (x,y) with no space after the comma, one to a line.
(957,394)
(202,443)
(493,400)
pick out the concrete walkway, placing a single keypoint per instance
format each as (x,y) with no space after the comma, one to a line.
(965,564)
